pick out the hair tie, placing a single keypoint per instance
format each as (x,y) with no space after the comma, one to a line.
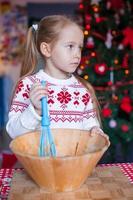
(35,26)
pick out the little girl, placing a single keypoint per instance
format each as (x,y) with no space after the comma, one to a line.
(72,103)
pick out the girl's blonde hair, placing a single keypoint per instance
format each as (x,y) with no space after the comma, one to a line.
(48,31)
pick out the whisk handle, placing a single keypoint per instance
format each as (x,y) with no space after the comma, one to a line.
(45,119)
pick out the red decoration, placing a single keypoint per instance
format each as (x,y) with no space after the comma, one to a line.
(19,87)
(88,27)
(106,112)
(126,107)
(88,19)
(124,128)
(125,61)
(85,98)
(81,6)
(110,83)
(128,39)
(117,4)
(126,104)
(64,97)
(100,19)
(101,69)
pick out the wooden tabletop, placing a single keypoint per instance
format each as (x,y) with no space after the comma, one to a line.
(109,181)
(106,183)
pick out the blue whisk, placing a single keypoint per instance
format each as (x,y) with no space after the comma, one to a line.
(47,146)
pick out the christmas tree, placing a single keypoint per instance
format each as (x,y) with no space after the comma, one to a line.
(107,63)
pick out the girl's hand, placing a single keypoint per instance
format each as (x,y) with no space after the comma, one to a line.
(97,130)
(37,92)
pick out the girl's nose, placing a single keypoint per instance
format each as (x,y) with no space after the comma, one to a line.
(77,53)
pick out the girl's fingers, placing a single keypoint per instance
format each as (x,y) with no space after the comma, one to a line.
(38,89)
(97,130)
(38,86)
(38,97)
(39,92)
(105,136)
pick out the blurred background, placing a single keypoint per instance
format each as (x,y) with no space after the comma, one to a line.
(107,63)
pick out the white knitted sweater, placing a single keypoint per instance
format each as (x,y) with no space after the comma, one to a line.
(69,102)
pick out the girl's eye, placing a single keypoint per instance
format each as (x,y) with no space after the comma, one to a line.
(70,46)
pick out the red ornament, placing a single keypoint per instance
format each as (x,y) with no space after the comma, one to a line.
(100,19)
(124,128)
(106,112)
(128,39)
(101,69)
(126,100)
(81,6)
(88,19)
(110,83)
(126,107)
(88,27)
(117,4)
(125,61)
(126,104)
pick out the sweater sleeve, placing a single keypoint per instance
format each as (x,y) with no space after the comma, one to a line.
(22,116)
(90,119)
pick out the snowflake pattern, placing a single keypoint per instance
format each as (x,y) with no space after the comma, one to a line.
(20,86)
(85,98)
(64,97)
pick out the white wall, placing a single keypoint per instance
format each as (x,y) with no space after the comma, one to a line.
(23,2)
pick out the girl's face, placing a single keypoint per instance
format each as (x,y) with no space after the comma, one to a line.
(65,54)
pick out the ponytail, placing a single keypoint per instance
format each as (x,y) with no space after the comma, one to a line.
(30,58)
(30,54)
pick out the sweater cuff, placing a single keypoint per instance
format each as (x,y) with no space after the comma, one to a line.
(30,119)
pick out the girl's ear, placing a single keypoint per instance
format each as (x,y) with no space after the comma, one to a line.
(45,49)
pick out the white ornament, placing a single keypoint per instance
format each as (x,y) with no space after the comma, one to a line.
(120,47)
(102,68)
(90,40)
(108,41)
(96,15)
(112,123)
(108,5)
